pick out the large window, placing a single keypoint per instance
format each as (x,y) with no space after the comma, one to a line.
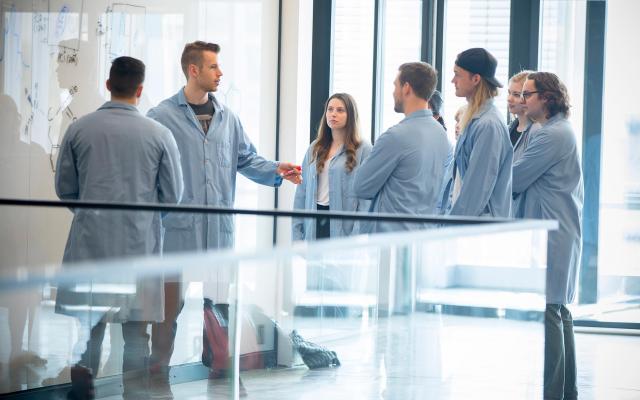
(619,231)
(474,23)
(562,30)
(402,39)
(353,55)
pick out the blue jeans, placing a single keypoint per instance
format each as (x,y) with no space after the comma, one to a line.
(559,354)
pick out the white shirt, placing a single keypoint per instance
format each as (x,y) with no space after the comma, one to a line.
(323,185)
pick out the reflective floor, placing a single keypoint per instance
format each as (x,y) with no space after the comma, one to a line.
(427,356)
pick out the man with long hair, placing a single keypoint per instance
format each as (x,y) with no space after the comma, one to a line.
(406,167)
(482,169)
(549,177)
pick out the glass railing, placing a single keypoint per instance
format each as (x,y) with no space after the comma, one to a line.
(443,311)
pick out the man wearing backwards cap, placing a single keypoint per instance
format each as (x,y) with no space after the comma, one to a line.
(483,156)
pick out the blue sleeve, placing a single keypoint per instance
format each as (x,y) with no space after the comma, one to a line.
(299,201)
(541,153)
(377,167)
(363,204)
(483,169)
(253,166)
(66,178)
(170,183)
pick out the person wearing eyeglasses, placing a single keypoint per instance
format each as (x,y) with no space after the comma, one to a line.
(549,175)
(520,129)
(328,169)
(482,166)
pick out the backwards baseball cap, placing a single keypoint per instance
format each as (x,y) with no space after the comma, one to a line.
(479,61)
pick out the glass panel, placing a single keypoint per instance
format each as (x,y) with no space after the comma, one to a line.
(55,57)
(562,30)
(619,235)
(352,58)
(474,23)
(370,304)
(402,41)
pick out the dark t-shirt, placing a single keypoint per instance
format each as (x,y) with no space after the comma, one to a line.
(204,114)
(514,133)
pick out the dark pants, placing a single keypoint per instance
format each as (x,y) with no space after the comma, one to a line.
(559,354)
(323,227)
(163,334)
(135,356)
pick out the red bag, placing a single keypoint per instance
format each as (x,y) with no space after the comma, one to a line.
(215,343)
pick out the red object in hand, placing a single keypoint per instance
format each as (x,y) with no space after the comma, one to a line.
(299,168)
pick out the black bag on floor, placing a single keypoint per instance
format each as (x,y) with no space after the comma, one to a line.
(314,355)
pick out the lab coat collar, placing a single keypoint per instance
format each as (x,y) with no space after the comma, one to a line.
(118,104)
(555,118)
(418,114)
(488,104)
(182,100)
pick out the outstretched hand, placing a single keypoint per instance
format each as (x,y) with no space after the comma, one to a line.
(290,172)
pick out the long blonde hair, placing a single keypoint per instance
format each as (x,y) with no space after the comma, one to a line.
(352,138)
(484,91)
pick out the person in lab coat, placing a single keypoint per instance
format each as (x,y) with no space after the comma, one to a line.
(482,168)
(549,175)
(520,129)
(406,168)
(328,169)
(115,154)
(213,147)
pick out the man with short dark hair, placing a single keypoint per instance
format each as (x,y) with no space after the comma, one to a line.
(115,154)
(214,148)
(406,167)
(548,176)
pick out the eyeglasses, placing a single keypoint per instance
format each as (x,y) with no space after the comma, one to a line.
(526,95)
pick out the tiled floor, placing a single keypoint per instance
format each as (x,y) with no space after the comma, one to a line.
(427,356)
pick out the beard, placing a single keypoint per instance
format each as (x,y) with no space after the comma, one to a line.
(398,106)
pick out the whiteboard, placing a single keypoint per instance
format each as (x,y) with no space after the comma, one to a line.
(55,57)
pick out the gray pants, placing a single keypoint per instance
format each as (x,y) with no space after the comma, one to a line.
(559,354)
(135,356)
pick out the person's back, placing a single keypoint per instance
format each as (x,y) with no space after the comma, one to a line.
(406,168)
(115,154)
(420,149)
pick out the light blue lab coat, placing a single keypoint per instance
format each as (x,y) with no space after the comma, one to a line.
(209,166)
(116,155)
(341,195)
(549,175)
(405,170)
(483,158)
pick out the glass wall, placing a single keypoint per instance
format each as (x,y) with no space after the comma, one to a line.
(619,235)
(54,60)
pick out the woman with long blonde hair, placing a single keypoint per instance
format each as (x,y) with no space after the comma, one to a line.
(483,156)
(327,171)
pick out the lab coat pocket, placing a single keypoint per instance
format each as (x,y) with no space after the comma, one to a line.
(224,154)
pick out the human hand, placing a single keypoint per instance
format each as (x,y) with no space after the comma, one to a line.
(290,172)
